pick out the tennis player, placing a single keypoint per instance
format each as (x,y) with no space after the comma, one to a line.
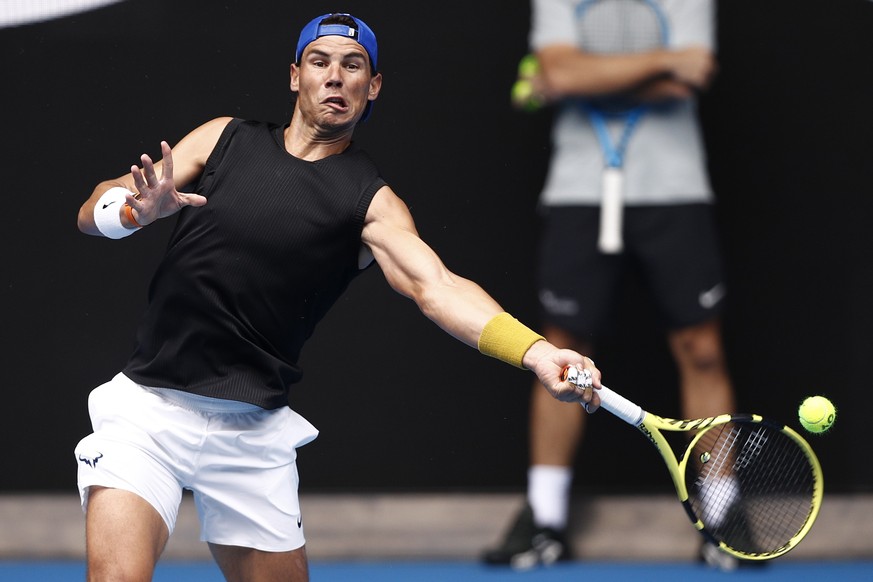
(281,220)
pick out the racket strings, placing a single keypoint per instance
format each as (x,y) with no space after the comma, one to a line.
(716,482)
(618,26)
(751,485)
(780,485)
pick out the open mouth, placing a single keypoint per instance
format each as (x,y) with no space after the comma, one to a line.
(337,103)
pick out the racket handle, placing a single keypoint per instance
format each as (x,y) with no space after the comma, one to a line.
(610,400)
(620,406)
(611,210)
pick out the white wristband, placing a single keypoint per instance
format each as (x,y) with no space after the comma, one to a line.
(107,213)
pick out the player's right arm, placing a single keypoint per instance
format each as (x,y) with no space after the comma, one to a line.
(153,186)
(460,306)
(651,76)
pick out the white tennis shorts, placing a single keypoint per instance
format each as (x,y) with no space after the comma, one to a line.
(237,458)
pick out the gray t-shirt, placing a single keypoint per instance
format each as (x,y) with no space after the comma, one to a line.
(665,160)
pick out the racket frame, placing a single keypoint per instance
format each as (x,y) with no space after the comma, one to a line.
(652,425)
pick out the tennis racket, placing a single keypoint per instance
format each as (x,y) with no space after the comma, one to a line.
(616,27)
(751,486)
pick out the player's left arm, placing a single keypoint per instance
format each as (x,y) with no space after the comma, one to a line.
(457,305)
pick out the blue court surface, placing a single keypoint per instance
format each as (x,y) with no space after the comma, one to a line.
(797,571)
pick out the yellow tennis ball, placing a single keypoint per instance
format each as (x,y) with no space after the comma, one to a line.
(523,96)
(817,414)
(528,67)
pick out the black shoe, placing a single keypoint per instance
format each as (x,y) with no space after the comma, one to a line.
(527,546)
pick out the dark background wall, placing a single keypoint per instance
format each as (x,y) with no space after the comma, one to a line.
(402,406)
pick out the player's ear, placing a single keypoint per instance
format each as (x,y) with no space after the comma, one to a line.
(375,87)
(295,77)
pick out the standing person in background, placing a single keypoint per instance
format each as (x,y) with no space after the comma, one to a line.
(282,218)
(668,232)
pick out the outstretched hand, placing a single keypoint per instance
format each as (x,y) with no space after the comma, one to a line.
(158,197)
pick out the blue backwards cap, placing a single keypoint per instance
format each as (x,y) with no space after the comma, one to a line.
(363,35)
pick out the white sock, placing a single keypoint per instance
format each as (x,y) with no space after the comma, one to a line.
(548,492)
(717,495)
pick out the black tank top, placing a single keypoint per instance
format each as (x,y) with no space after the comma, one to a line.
(246,277)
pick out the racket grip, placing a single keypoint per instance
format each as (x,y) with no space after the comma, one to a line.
(610,400)
(610,240)
(620,406)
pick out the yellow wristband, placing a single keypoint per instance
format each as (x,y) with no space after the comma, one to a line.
(507,339)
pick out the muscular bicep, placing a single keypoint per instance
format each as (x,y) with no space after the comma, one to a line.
(391,237)
(456,304)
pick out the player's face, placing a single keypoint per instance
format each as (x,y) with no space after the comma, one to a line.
(334,82)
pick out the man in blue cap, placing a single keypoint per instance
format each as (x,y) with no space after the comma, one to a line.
(281,219)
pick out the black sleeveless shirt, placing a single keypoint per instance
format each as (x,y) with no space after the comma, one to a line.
(246,277)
